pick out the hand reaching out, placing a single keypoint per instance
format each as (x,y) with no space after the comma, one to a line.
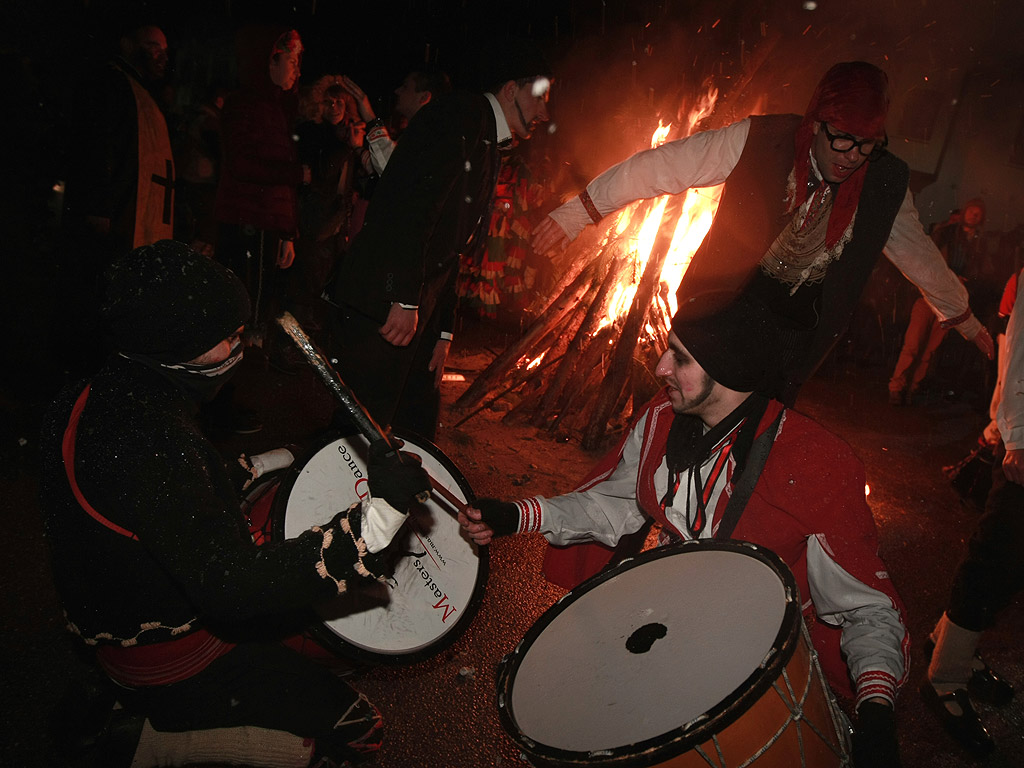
(547,236)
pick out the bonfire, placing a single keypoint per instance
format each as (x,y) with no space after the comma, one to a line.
(587,359)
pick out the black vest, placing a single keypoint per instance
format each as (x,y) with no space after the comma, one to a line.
(752,214)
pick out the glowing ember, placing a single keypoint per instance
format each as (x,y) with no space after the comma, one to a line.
(636,234)
(535,362)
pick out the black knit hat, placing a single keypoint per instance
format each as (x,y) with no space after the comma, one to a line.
(168,302)
(735,339)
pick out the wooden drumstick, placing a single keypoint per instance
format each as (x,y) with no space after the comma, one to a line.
(450,497)
(363,420)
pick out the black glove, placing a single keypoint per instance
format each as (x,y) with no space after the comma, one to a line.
(501,516)
(874,740)
(396,480)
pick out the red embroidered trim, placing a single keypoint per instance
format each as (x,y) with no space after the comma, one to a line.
(876,683)
(529,515)
(591,209)
(67,449)
(161,663)
(954,321)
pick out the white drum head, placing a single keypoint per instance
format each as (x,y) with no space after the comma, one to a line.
(438,579)
(647,651)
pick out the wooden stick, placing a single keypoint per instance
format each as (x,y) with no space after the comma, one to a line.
(447,495)
(499,367)
(611,389)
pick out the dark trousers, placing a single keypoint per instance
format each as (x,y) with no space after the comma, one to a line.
(252,255)
(992,573)
(392,383)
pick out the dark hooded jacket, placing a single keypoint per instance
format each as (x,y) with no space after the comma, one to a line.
(261,171)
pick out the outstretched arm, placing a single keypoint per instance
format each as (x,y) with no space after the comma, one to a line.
(702,160)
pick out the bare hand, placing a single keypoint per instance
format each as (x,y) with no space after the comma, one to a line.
(286,254)
(400,326)
(1013,466)
(437,360)
(547,236)
(362,100)
(202,247)
(479,532)
(984,342)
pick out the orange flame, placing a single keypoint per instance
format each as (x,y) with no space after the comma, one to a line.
(660,135)
(636,235)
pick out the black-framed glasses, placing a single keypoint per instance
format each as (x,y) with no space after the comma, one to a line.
(869,148)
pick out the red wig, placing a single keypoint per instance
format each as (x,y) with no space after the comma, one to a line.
(854,98)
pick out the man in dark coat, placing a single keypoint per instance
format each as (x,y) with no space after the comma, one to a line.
(155,566)
(395,291)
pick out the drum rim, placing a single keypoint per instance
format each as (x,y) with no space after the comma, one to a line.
(680,740)
(332,640)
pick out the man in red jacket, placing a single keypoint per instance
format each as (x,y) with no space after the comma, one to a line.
(682,463)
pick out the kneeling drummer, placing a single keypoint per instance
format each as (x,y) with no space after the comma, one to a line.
(154,564)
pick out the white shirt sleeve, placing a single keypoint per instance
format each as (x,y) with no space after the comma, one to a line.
(873,632)
(1010,415)
(702,160)
(606,511)
(916,256)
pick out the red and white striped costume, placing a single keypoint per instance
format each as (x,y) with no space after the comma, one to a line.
(808,506)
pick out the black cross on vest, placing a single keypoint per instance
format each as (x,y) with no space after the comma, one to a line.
(167,182)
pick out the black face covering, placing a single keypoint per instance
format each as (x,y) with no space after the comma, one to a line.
(200,383)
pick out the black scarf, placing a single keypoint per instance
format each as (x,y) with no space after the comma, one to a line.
(200,383)
(688,448)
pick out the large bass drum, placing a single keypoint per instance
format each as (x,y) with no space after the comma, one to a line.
(439,574)
(692,655)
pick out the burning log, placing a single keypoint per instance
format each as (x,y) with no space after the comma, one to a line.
(621,363)
(553,399)
(545,322)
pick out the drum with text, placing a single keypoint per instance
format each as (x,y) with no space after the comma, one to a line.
(438,577)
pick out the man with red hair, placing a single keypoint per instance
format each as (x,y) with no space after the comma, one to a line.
(808,205)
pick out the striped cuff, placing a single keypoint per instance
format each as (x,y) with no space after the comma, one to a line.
(876,684)
(590,208)
(529,515)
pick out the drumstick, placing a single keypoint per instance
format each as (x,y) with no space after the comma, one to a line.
(364,421)
(450,497)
